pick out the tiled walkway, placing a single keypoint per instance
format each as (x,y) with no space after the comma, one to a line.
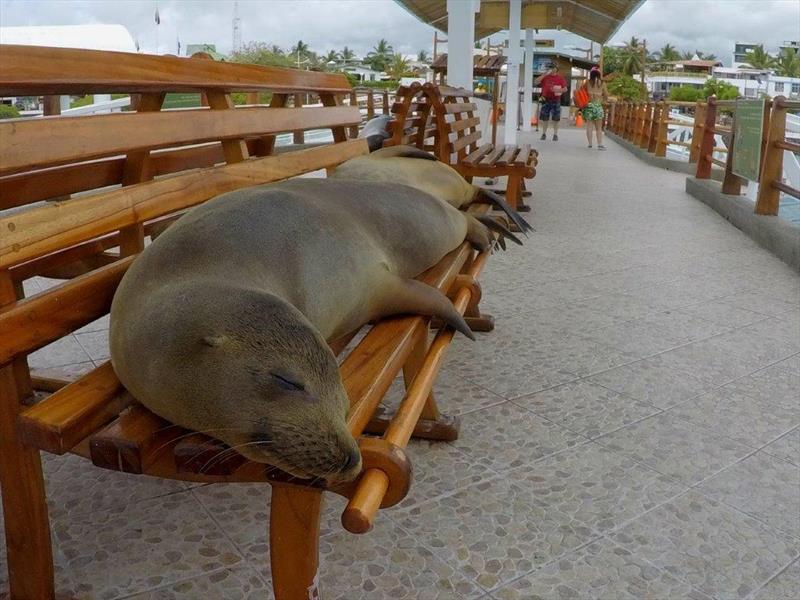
(630,430)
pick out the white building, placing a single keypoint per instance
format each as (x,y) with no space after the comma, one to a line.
(365,74)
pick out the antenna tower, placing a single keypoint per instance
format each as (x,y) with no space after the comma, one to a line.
(237,28)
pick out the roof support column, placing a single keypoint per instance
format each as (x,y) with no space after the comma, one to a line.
(512,80)
(460,41)
(527,88)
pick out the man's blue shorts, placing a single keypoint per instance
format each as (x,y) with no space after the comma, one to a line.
(550,111)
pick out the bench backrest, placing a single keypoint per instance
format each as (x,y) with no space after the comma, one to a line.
(451,128)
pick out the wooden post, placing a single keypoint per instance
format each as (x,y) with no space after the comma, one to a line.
(370,104)
(652,140)
(353,102)
(294,541)
(663,131)
(28,552)
(704,163)
(767,201)
(647,125)
(51,105)
(298,137)
(731,184)
(386,102)
(697,131)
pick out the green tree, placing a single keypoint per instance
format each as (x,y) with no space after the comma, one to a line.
(758,58)
(8,112)
(422,56)
(626,88)
(721,89)
(668,53)
(258,53)
(788,64)
(347,54)
(300,49)
(275,49)
(380,56)
(686,93)
(632,56)
(612,60)
(398,67)
(332,56)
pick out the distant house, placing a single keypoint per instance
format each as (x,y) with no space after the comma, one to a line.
(364,74)
(210,49)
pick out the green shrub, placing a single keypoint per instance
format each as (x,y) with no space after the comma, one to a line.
(627,88)
(686,93)
(8,112)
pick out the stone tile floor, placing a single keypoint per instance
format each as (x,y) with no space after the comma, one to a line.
(631,429)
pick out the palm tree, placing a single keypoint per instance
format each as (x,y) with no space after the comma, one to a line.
(275,49)
(668,53)
(347,54)
(788,64)
(300,49)
(687,55)
(331,57)
(632,57)
(398,67)
(759,59)
(380,55)
(422,56)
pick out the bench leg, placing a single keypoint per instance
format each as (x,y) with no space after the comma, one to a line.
(28,551)
(294,542)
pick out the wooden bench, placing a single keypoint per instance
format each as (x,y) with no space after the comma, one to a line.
(132,170)
(442,119)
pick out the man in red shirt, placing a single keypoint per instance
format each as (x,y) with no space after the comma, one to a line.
(553,85)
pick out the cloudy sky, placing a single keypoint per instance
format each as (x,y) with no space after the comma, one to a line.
(707,25)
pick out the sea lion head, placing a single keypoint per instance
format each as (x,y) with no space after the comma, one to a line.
(249,369)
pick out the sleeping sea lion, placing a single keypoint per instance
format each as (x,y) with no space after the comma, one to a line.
(419,169)
(221,324)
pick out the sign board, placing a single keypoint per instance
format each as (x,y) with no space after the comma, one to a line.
(748,125)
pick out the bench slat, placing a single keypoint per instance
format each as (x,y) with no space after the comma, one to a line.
(459,107)
(38,70)
(34,322)
(46,229)
(465,141)
(478,154)
(63,419)
(491,158)
(464,124)
(524,155)
(507,157)
(30,143)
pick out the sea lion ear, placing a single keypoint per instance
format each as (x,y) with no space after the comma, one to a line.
(402,152)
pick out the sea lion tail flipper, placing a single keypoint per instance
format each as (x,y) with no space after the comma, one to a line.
(485,196)
(478,232)
(403,152)
(412,296)
(496,225)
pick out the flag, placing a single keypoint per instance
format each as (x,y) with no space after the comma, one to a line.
(158,18)
(179,46)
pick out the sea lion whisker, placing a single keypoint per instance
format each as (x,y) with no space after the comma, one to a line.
(232,450)
(191,433)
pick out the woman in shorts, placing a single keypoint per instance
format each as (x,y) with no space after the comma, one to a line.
(593,112)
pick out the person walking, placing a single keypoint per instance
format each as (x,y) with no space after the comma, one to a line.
(593,112)
(553,85)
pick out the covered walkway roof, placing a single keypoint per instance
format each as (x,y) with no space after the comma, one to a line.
(597,20)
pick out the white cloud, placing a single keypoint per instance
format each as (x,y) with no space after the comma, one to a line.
(708,25)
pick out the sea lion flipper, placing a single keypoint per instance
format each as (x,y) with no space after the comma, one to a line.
(485,196)
(412,296)
(403,152)
(497,226)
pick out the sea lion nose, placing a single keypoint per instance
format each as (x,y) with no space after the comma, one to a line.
(353,457)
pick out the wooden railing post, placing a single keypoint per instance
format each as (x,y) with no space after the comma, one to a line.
(298,137)
(731,184)
(647,123)
(704,163)
(652,140)
(386,102)
(370,104)
(768,199)
(697,131)
(353,102)
(663,131)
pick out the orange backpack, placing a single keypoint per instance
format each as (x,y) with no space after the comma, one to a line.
(581,97)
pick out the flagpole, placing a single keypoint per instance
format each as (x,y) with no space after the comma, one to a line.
(158,22)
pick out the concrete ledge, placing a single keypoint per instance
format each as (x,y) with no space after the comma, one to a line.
(779,236)
(665,163)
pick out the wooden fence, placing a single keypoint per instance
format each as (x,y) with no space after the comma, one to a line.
(646,124)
